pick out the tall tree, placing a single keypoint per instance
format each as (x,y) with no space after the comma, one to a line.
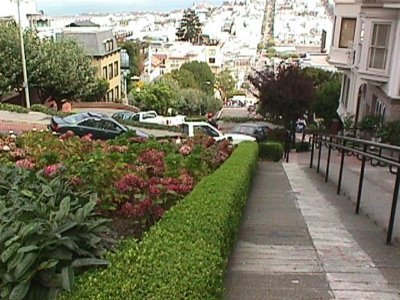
(11,77)
(225,83)
(135,57)
(202,74)
(189,27)
(66,71)
(286,93)
(155,96)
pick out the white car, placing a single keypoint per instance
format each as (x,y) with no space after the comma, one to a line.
(191,128)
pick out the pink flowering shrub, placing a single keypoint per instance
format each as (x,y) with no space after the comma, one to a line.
(52,170)
(134,178)
(25,163)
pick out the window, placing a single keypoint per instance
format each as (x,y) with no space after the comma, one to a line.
(346,90)
(116,92)
(347,31)
(105,74)
(379,46)
(149,116)
(92,123)
(205,130)
(211,52)
(116,72)
(110,71)
(108,125)
(211,60)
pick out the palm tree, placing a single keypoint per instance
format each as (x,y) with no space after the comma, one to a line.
(190,27)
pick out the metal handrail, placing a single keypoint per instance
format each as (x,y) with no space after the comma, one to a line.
(364,151)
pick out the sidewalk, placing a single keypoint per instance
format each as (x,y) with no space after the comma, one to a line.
(299,240)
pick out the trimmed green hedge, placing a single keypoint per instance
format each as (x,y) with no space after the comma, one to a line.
(184,256)
(302,147)
(271,151)
(44,109)
(13,108)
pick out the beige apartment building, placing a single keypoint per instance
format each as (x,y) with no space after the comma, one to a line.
(102,46)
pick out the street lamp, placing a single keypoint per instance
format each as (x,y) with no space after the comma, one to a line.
(21,36)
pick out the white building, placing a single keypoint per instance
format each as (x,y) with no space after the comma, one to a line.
(9,9)
(366,48)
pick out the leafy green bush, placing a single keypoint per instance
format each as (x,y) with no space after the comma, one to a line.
(369,122)
(44,109)
(302,147)
(13,108)
(184,256)
(277,135)
(48,232)
(390,133)
(271,151)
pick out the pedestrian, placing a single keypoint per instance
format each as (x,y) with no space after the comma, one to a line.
(66,106)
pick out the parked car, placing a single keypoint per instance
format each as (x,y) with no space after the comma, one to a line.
(150,116)
(258,131)
(100,126)
(192,128)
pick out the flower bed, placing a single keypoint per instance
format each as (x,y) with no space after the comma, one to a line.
(134,178)
(131,180)
(184,256)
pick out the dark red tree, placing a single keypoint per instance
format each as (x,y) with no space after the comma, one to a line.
(284,94)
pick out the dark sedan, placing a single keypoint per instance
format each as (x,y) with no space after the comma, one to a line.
(259,131)
(100,126)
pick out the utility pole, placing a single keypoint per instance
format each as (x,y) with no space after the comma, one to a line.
(21,36)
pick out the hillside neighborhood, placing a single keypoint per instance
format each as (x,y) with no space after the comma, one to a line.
(240,149)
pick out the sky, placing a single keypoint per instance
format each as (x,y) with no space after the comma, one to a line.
(66,7)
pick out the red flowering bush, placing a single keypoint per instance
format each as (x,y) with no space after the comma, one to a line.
(52,170)
(133,177)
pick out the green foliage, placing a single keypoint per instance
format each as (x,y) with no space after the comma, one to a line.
(13,108)
(370,122)
(10,58)
(327,92)
(271,151)
(277,135)
(96,90)
(189,27)
(154,96)
(44,109)
(184,256)
(49,232)
(390,133)
(59,69)
(225,83)
(135,57)
(202,74)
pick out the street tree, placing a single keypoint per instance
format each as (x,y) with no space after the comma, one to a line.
(202,74)
(185,78)
(225,83)
(66,71)
(285,94)
(189,27)
(96,90)
(11,77)
(154,96)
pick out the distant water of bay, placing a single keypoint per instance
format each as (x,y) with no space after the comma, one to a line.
(76,7)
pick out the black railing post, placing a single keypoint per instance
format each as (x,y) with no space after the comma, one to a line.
(319,153)
(312,151)
(328,160)
(393,210)
(341,168)
(360,184)
(288,139)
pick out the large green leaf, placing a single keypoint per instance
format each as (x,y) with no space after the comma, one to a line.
(83,262)
(67,278)
(65,206)
(28,260)
(19,291)
(10,251)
